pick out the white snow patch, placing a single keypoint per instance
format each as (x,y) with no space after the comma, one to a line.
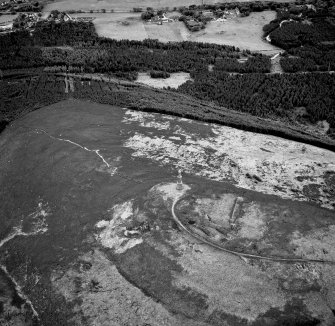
(112,235)
(169,191)
(146,120)
(37,221)
(232,154)
(38,226)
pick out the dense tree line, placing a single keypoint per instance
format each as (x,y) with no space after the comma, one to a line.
(295,34)
(159,74)
(22,95)
(245,7)
(308,36)
(268,95)
(75,47)
(254,64)
(309,58)
(28,93)
(90,53)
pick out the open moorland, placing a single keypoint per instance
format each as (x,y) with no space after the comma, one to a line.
(88,228)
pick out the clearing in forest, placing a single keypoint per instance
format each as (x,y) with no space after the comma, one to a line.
(174,81)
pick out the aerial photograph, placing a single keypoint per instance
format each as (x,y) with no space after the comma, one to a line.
(167,163)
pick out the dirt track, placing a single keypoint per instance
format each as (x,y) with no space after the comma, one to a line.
(240,254)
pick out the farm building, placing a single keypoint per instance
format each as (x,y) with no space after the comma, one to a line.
(193,25)
(208,14)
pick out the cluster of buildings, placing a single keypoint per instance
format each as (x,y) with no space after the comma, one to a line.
(193,19)
(22,21)
(28,14)
(59,16)
(10,4)
(160,19)
(20,6)
(196,22)
(28,20)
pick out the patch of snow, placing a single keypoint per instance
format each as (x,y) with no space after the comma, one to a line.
(124,210)
(169,191)
(102,224)
(238,156)
(112,235)
(146,120)
(39,225)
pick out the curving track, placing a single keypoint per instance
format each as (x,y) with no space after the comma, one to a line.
(236,253)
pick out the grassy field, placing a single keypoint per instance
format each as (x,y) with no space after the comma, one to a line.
(116,5)
(245,33)
(7,18)
(128,4)
(118,25)
(174,81)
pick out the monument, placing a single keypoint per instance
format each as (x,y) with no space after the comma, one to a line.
(180,181)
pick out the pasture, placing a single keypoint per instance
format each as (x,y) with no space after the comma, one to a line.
(126,5)
(118,26)
(243,32)
(7,18)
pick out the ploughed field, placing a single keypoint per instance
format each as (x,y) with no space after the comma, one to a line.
(88,237)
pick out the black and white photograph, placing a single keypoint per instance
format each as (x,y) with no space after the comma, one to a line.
(167,163)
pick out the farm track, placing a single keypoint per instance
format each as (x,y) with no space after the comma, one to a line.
(237,253)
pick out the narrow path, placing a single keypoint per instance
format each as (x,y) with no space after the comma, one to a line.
(275,64)
(236,253)
(95,151)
